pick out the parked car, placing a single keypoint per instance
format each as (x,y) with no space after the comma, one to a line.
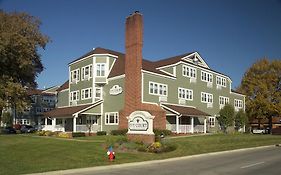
(260,131)
(27,129)
(8,130)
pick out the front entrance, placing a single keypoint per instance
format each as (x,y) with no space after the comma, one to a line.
(68,124)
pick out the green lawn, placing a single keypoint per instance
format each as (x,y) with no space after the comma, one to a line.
(21,154)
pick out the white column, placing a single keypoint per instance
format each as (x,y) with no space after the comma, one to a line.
(192,125)
(46,121)
(205,125)
(74,123)
(177,124)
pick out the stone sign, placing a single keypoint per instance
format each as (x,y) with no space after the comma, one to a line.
(140,122)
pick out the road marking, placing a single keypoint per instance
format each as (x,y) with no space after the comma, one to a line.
(254,164)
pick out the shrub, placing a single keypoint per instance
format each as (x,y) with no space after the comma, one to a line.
(119,132)
(158,132)
(48,133)
(63,135)
(100,133)
(160,147)
(40,133)
(78,134)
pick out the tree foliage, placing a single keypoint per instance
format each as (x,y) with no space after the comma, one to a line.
(240,119)
(226,117)
(262,85)
(7,119)
(20,62)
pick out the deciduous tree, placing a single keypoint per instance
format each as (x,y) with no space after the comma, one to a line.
(20,62)
(262,85)
(226,118)
(240,119)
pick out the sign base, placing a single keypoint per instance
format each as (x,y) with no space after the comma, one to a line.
(144,138)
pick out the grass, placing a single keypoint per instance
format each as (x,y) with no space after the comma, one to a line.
(21,154)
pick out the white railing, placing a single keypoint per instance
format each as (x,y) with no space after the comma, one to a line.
(53,128)
(84,128)
(185,128)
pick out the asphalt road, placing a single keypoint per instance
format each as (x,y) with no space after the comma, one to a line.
(260,161)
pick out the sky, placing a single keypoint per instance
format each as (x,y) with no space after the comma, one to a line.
(230,35)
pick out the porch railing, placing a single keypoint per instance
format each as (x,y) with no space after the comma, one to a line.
(53,128)
(84,128)
(185,128)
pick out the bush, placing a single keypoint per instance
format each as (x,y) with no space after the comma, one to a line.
(78,134)
(100,133)
(40,133)
(119,132)
(48,133)
(158,132)
(63,135)
(160,147)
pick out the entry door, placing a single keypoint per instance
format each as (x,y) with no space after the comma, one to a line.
(69,125)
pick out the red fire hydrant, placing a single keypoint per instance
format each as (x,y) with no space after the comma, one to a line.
(111,154)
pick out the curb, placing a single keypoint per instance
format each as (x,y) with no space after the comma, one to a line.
(149,162)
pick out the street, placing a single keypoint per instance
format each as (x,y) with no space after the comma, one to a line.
(260,161)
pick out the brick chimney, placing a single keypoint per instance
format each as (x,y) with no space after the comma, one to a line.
(133,75)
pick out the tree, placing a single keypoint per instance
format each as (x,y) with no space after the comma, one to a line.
(20,62)
(7,119)
(240,119)
(262,85)
(226,117)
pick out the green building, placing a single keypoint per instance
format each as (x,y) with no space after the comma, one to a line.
(103,84)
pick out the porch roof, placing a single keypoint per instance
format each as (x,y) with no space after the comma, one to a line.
(67,112)
(184,110)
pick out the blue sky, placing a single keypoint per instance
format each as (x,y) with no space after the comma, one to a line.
(230,35)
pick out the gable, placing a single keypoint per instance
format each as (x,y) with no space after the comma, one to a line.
(196,59)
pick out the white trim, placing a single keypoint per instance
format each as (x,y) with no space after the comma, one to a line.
(158,89)
(197,55)
(237,93)
(178,105)
(94,79)
(111,66)
(167,72)
(64,90)
(86,113)
(83,70)
(83,92)
(169,65)
(221,80)
(152,103)
(187,91)
(85,109)
(116,77)
(214,118)
(207,98)
(208,75)
(93,55)
(142,88)
(153,73)
(169,109)
(189,68)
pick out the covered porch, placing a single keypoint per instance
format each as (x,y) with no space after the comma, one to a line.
(182,119)
(84,118)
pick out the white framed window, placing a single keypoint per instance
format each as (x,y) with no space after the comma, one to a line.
(223,100)
(74,76)
(100,68)
(206,97)
(212,121)
(188,71)
(158,89)
(221,81)
(74,96)
(238,103)
(207,77)
(98,94)
(86,94)
(86,72)
(92,120)
(186,94)
(111,118)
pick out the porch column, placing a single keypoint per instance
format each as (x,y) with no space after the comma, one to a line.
(46,121)
(74,123)
(205,125)
(192,125)
(54,122)
(177,124)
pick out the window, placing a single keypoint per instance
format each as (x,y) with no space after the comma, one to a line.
(92,120)
(206,97)
(58,121)
(188,71)
(74,96)
(74,76)
(221,81)
(185,94)
(238,103)
(98,93)
(86,72)
(111,118)
(223,100)
(49,121)
(212,121)
(86,93)
(158,89)
(100,69)
(207,77)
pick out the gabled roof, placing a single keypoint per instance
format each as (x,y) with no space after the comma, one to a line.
(38,92)
(65,85)
(184,111)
